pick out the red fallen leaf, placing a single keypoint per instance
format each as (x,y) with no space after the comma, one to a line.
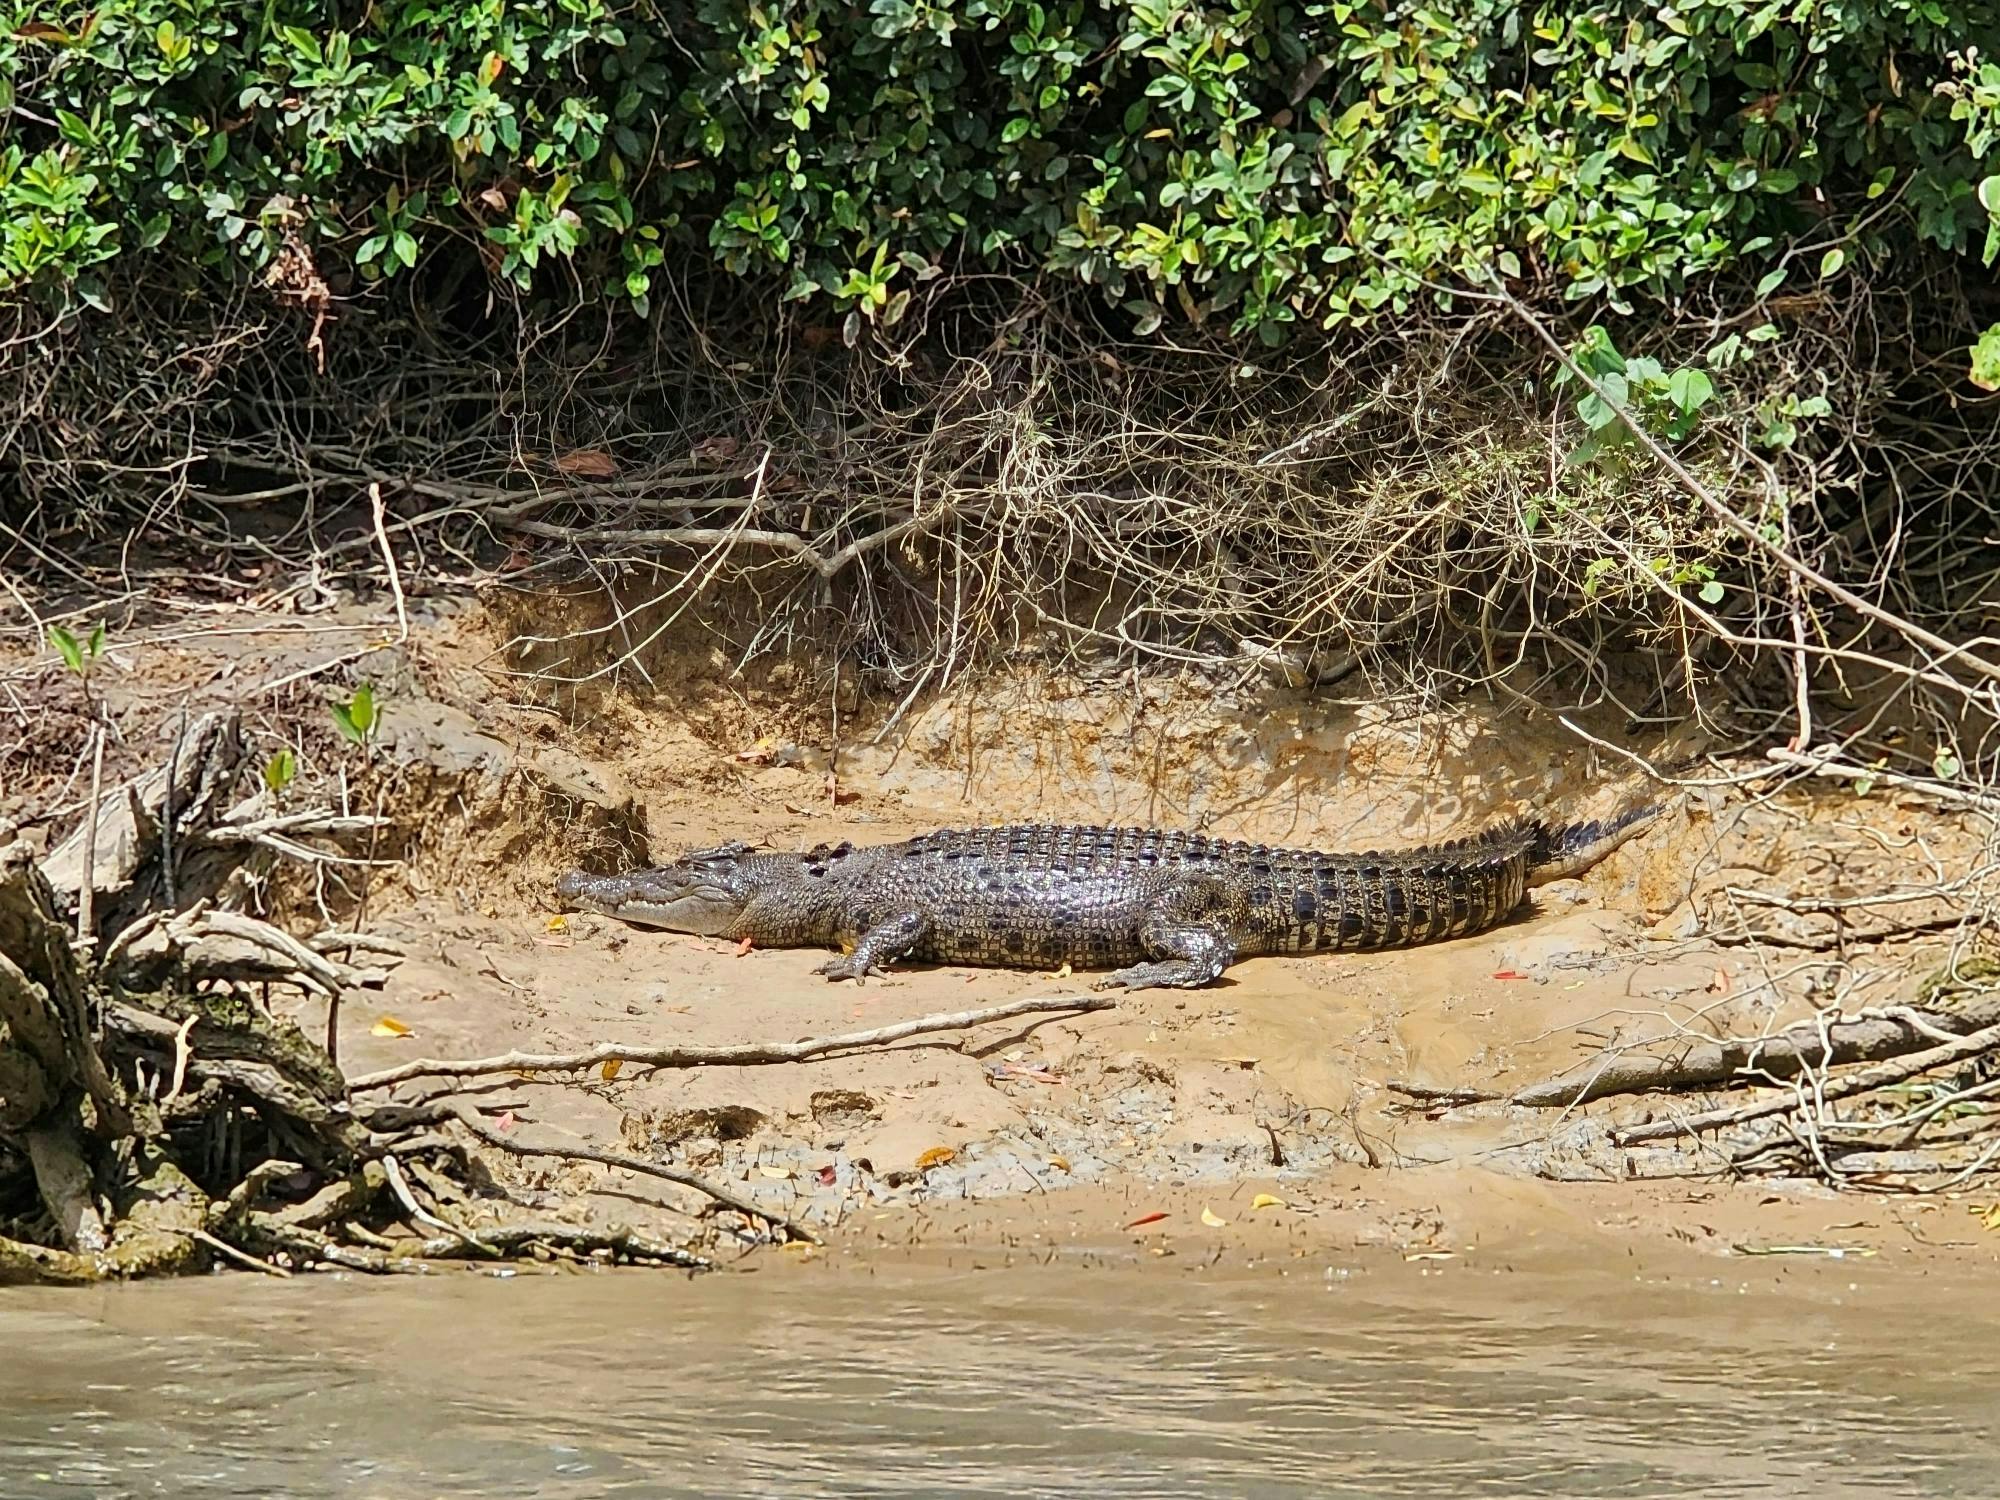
(1509,974)
(505,1123)
(743,948)
(1152,1218)
(826,1176)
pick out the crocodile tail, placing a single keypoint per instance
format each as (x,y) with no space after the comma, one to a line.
(1566,849)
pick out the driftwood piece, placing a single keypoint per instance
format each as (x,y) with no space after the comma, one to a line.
(747,1055)
(1862,1081)
(124,846)
(1782,1055)
(224,945)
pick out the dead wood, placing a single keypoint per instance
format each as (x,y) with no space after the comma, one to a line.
(749,1054)
(1786,1054)
(1864,1080)
(157,1113)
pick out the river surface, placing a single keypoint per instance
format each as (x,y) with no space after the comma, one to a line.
(1748,1379)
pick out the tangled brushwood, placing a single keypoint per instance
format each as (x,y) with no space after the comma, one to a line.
(156,1114)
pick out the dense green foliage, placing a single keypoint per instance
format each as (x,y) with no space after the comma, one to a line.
(1260,163)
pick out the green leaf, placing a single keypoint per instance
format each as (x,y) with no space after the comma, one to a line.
(1831,262)
(356,717)
(1944,765)
(279,771)
(1711,592)
(67,648)
(97,642)
(1689,389)
(1986,360)
(303,42)
(1770,283)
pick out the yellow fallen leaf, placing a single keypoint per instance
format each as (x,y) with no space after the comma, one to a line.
(1060,1163)
(771,1170)
(1064,972)
(558,923)
(527,1075)
(611,1068)
(1989,1218)
(937,1156)
(1431,1255)
(1208,1217)
(1266,1200)
(389,1026)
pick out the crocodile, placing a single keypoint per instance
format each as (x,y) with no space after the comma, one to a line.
(1161,908)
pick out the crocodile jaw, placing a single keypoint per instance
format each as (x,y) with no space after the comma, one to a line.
(662,899)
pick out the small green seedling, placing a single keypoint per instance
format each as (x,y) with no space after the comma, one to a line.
(356,718)
(280,770)
(79,656)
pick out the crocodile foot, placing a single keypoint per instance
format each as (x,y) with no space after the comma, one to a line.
(853,966)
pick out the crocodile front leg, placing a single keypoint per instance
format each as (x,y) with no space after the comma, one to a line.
(887,939)
(1188,934)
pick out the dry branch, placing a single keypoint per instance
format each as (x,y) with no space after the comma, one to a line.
(725,1196)
(746,1055)
(1786,1054)
(1964,1049)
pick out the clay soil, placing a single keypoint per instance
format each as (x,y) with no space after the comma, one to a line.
(1254,1117)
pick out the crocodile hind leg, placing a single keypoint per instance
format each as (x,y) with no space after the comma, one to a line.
(886,939)
(1187,933)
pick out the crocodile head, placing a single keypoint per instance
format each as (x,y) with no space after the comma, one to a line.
(705,892)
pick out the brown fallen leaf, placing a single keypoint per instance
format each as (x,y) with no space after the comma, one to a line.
(587,463)
(1060,1163)
(389,1026)
(610,1070)
(937,1156)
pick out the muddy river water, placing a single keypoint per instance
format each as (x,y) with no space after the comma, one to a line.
(1735,1378)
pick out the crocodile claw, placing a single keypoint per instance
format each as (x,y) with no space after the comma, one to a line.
(849,967)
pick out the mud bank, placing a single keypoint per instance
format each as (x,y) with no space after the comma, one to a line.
(1309,1082)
